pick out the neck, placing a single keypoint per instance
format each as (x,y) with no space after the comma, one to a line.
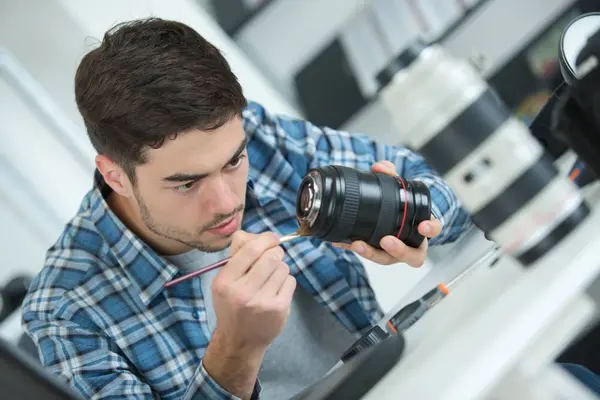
(128,212)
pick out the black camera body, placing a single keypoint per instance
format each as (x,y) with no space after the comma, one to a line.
(573,114)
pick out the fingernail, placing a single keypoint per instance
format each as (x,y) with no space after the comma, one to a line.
(360,249)
(426,228)
(387,243)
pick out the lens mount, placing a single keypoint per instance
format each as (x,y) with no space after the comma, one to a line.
(310,198)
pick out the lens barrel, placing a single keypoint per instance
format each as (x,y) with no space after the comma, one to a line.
(444,110)
(341,204)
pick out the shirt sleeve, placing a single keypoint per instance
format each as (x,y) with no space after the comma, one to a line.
(205,387)
(307,146)
(85,360)
(92,365)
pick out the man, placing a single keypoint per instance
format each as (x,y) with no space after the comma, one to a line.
(188,172)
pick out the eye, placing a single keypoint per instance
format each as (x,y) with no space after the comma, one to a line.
(236,162)
(186,187)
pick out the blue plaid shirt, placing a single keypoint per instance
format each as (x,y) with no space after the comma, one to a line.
(98,311)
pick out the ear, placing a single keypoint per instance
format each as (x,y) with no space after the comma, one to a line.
(114,176)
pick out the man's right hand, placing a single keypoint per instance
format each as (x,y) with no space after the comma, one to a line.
(253,292)
(252,295)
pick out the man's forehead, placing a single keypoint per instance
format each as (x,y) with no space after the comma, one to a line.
(197,151)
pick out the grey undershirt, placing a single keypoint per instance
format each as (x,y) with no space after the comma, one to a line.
(309,346)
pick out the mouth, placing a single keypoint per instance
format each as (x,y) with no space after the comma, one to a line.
(227,227)
(224,223)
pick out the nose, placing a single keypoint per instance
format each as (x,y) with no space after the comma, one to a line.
(220,196)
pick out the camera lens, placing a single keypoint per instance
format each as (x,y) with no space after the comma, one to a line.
(448,113)
(341,204)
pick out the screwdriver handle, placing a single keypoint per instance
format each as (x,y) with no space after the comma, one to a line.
(412,312)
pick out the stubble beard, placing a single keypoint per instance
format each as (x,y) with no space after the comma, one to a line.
(184,237)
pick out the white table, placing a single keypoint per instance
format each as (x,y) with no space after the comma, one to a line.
(500,326)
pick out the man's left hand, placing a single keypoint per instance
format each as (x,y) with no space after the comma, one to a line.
(394,250)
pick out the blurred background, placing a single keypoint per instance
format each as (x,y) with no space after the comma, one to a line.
(315,59)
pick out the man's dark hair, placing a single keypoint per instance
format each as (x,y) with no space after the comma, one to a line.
(148,81)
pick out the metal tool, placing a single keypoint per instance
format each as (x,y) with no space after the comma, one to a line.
(413,312)
(218,264)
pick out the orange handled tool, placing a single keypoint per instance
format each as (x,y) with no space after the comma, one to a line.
(412,312)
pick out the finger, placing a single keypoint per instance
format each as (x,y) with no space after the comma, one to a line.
(385,167)
(238,239)
(344,246)
(263,269)
(430,228)
(273,285)
(248,254)
(286,293)
(370,253)
(389,164)
(400,252)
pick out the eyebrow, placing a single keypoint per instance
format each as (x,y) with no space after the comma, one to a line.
(183,177)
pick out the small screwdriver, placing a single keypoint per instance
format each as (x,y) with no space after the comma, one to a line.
(412,312)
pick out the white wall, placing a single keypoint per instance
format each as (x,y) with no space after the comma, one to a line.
(48,43)
(43,177)
(37,193)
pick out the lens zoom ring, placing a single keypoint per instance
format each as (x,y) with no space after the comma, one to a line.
(351,201)
(391,205)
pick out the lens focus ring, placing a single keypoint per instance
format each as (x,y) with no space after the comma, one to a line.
(388,211)
(351,201)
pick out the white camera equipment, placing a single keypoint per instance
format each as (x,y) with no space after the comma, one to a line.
(447,112)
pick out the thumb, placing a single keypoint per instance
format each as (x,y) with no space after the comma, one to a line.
(239,239)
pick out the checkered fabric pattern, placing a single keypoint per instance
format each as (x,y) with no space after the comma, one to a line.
(102,320)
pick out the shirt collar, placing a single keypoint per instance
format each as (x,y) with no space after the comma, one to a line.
(147,270)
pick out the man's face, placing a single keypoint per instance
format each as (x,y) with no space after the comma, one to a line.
(191,191)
